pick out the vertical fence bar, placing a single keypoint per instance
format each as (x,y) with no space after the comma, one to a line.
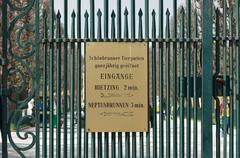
(45,94)
(146,38)
(65,83)
(106,19)
(181,84)
(4,77)
(217,73)
(167,71)
(217,100)
(72,88)
(106,134)
(188,79)
(195,88)
(93,144)
(146,19)
(119,22)
(113,36)
(225,79)
(237,82)
(58,90)
(231,76)
(86,37)
(92,19)
(207,91)
(174,83)
(92,35)
(127,134)
(37,75)
(126,24)
(133,19)
(106,145)
(99,37)
(154,83)
(140,36)
(79,82)
(51,82)
(119,34)
(134,152)
(161,141)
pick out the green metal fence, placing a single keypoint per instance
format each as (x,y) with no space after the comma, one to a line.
(186,64)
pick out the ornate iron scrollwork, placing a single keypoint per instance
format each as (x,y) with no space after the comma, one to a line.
(28,47)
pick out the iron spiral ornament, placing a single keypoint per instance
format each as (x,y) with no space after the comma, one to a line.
(28,47)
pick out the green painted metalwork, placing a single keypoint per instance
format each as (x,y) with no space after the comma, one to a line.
(160,68)
(195,104)
(119,22)
(79,82)
(207,91)
(37,76)
(147,37)
(9,50)
(168,139)
(72,89)
(58,89)
(86,36)
(106,19)
(174,83)
(51,82)
(65,81)
(224,78)
(119,34)
(231,126)
(133,19)
(4,77)
(69,50)
(140,28)
(126,24)
(147,19)
(237,81)
(188,132)
(45,83)
(217,63)
(92,19)
(181,84)
(140,37)
(113,36)
(99,32)
(154,83)
(99,37)
(133,36)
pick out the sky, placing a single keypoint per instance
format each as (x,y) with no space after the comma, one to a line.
(153,4)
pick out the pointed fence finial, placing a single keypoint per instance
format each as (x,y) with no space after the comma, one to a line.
(153,13)
(73,14)
(86,15)
(168,12)
(99,12)
(182,11)
(58,14)
(140,13)
(113,15)
(126,11)
(44,15)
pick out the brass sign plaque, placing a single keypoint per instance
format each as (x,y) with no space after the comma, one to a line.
(116,87)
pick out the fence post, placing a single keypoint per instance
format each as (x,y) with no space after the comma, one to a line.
(207,89)
(3,83)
